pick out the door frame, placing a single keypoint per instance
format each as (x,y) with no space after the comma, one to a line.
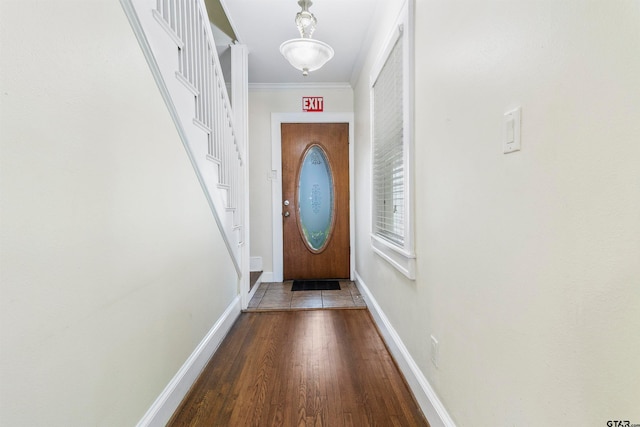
(277,119)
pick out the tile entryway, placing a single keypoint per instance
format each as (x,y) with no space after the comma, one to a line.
(278,296)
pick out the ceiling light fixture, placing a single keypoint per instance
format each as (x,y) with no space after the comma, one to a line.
(305,53)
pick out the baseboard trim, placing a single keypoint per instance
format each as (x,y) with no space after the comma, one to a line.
(426,397)
(267,277)
(165,405)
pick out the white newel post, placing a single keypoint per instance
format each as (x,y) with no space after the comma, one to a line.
(240,105)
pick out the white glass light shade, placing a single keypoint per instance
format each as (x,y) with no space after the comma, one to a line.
(306,54)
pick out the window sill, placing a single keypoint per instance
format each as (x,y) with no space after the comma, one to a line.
(402,260)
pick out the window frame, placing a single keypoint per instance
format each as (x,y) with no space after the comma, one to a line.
(400,256)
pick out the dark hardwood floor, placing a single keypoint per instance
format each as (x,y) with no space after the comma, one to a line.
(301,368)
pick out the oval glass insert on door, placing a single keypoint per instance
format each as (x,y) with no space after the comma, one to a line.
(315,199)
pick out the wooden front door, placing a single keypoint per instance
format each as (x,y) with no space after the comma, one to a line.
(315,194)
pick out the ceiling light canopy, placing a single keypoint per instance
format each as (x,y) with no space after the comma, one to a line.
(305,53)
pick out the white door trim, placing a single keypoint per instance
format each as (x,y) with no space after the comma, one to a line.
(276,183)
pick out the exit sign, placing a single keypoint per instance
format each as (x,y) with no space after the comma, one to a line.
(313,104)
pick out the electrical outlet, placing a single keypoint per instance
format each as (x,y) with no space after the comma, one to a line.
(434,351)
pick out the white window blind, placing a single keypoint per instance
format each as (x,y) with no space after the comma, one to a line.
(388,149)
(392,204)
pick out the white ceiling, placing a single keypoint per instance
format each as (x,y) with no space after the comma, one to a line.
(263,25)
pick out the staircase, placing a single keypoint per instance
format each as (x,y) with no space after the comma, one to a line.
(176,38)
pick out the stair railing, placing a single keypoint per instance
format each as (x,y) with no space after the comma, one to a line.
(178,43)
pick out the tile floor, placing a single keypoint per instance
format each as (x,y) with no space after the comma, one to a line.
(278,296)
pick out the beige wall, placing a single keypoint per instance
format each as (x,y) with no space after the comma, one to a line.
(263,102)
(113,269)
(527,263)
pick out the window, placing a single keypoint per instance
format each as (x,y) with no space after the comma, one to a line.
(391,122)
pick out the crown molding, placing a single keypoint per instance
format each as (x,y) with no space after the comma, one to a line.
(289,86)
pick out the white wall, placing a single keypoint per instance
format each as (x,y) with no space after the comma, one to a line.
(263,102)
(113,269)
(527,263)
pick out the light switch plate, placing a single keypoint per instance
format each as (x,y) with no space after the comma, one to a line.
(511,132)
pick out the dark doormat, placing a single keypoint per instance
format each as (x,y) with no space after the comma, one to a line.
(315,285)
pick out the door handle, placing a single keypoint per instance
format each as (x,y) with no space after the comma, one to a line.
(286,214)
